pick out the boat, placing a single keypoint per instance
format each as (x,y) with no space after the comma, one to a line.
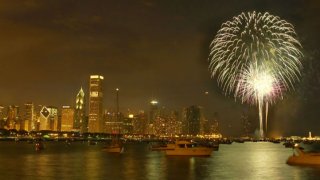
(214,146)
(187,148)
(113,149)
(300,157)
(210,144)
(92,142)
(39,146)
(162,147)
(115,146)
(225,141)
(288,144)
(238,140)
(275,141)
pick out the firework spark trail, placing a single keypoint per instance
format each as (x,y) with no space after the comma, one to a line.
(252,50)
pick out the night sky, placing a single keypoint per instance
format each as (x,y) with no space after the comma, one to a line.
(148,49)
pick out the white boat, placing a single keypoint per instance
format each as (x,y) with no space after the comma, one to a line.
(300,157)
(186,148)
(162,147)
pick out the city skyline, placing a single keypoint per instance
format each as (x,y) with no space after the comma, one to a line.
(147,49)
(158,121)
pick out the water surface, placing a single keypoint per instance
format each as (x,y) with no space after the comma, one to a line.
(82,161)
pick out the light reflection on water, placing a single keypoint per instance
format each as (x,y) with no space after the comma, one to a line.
(80,161)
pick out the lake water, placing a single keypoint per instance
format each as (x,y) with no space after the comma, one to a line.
(82,161)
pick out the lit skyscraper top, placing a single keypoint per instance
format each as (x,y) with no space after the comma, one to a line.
(80,111)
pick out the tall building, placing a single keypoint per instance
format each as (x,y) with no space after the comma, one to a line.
(95,122)
(67,118)
(140,123)
(37,115)
(113,122)
(80,112)
(2,112)
(2,117)
(153,114)
(29,121)
(49,118)
(127,126)
(13,117)
(173,124)
(154,111)
(191,120)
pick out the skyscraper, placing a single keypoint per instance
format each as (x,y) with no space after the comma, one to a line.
(153,114)
(29,122)
(191,120)
(2,117)
(140,123)
(37,115)
(67,118)
(49,118)
(80,110)
(96,122)
(174,124)
(13,117)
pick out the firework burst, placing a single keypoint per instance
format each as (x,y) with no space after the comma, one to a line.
(256,57)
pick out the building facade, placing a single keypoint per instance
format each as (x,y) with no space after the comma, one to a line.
(49,118)
(29,121)
(67,118)
(80,112)
(154,113)
(191,120)
(140,123)
(13,117)
(96,121)
(127,126)
(3,117)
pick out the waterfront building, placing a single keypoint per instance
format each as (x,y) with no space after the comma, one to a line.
(80,110)
(127,127)
(114,127)
(153,114)
(84,126)
(29,121)
(113,122)
(3,118)
(160,125)
(95,122)
(67,118)
(48,118)
(13,117)
(167,123)
(37,110)
(191,120)
(173,124)
(59,123)
(2,112)
(139,123)
(214,127)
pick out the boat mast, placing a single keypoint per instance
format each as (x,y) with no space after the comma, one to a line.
(117,104)
(118,113)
